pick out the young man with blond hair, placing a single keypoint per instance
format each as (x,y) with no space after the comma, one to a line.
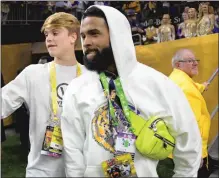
(41,87)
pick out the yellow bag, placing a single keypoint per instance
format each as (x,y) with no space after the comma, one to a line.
(153,138)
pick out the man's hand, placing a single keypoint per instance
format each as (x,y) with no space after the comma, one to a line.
(206,84)
(134,29)
(140,30)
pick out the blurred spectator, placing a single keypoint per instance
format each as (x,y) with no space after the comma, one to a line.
(103,3)
(145,13)
(216,24)
(181,26)
(136,27)
(206,20)
(71,6)
(211,9)
(60,6)
(151,33)
(5,9)
(80,9)
(191,24)
(51,6)
(186,9)
(166,6)
(152,6)
(66,6)
(149,9)
(166,32)
(132,5)
(99,3)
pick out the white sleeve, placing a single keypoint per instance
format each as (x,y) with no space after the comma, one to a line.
(183,126)
(14,94)
(73,137)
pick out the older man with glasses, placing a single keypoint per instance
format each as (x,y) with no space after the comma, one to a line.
(185,68)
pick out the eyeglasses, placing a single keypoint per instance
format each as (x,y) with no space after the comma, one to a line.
(191,61)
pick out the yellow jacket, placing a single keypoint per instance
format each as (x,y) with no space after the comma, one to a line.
(193,92)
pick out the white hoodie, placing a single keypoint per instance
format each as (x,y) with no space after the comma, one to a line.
(149,91)
(32,87)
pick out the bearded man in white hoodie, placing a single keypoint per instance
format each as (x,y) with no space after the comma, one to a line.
(88,126)
(41,87)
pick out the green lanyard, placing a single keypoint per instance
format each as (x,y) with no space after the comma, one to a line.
(121,95)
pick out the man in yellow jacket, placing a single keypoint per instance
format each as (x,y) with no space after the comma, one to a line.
(185,68)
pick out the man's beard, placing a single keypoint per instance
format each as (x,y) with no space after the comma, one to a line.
(101,61)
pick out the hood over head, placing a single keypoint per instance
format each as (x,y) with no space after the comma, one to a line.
(120,39)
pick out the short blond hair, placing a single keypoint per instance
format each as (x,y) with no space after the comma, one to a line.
(62,19)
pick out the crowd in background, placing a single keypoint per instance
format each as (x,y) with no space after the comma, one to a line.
(151,21)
